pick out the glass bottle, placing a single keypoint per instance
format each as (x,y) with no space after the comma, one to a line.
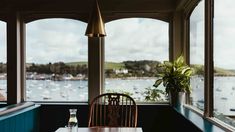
(73,122)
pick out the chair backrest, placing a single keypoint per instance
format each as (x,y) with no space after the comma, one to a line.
(113,110)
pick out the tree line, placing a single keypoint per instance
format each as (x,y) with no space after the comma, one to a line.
(142,68)
(58,68)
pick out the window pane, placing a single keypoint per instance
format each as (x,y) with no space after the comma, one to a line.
(224,71)
(197,55)
(3,58)
(133,49)
(56,57)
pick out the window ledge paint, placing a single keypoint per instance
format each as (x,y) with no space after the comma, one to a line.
(13,110)
(86,103)
(197,119)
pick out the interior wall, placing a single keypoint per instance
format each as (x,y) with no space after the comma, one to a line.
(152,118)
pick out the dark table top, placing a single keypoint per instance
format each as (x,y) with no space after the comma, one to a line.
(103,129)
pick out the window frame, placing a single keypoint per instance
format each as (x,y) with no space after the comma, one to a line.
(208,68)
(29,20)
(16,30)
(3,19)
(95,57)
(169,52)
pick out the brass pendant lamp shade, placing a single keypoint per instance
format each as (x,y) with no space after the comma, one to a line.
(95,27)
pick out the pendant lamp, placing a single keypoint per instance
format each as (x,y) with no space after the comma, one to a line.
(95,27)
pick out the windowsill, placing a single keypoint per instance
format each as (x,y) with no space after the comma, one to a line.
(16,109)
(205,124)
(152,103)
(60,103)
(86,103)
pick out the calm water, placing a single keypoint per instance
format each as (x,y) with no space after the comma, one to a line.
(48,90)
(41,90)
(224,94)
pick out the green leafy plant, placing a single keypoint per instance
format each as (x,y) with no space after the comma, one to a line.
(153,95)
(175,76)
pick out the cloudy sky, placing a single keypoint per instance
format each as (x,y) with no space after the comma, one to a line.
(127,39)
(136,39)
(53,40)
(224,31)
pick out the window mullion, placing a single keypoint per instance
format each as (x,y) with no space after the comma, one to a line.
(209,67)
(14,61)
(95,66)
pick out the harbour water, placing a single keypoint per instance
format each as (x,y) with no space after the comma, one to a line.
(48,90)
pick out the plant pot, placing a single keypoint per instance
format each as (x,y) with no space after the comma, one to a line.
(177,98)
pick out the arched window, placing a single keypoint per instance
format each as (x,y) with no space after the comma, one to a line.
(3,58)
(133,48)
(197,55)
(224,64)
(56,60)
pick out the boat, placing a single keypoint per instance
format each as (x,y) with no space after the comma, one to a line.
(224,98)
(218,90)
(81,87)
(233,88)
(232,109)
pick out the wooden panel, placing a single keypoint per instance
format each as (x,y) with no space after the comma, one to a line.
(24,120)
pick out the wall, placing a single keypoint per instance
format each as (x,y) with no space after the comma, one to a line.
(151,118)
(23,120)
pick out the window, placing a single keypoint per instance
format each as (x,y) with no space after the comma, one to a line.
(56,60)
(133,49)
(197,55)
(3,67)
(224,64)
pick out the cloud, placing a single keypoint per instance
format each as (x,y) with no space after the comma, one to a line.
(136,39)
(53,40)
(224,30)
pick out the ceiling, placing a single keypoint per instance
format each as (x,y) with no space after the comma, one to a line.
(110,9)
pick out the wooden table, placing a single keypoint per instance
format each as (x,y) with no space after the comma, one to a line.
(103,129)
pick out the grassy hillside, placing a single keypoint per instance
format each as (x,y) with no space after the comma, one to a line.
(224,72)
(199,69)
(114,65)
(77,63)
(108,65)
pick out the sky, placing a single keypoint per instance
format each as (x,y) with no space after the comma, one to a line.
(224,31)
(53,40)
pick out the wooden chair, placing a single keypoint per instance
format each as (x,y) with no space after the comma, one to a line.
(113,110)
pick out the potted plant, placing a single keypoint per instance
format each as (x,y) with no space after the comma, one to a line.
(175,77)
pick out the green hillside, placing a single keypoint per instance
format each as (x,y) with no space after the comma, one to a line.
(114,65)
(223,72)
(77,63)
(108,65)
(199,69)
